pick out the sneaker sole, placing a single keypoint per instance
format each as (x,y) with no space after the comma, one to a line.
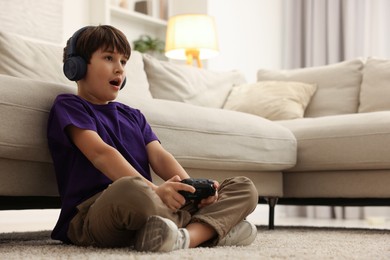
(157,235)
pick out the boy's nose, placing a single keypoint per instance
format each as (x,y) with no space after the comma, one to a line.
(119,69)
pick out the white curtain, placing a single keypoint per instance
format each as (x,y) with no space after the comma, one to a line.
(320,32)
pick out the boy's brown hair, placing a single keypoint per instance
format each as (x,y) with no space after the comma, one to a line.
(95,37)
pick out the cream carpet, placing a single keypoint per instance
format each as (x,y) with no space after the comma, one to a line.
(281,243)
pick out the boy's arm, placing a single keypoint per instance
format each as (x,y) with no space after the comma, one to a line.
(168,168)
(163,163)
(103,156)
(111,163)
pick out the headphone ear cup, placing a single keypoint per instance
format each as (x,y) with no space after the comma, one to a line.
(123,84)
(75,68)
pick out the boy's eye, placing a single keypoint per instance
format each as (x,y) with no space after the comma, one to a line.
(123,62)
(109,58)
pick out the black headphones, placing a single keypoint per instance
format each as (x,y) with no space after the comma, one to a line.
(75,67)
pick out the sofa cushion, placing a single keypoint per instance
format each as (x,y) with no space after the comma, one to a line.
(189,84)
(342,142)
(204,138)
(274,100)
(338,86)
(375,90)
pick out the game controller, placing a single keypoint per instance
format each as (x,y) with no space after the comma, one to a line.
(204,189)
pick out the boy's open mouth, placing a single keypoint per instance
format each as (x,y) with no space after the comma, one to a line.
(115,82)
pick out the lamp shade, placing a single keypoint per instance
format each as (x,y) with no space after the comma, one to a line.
(191,33)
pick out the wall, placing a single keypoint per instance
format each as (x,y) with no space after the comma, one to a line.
(249,33)
(75,15)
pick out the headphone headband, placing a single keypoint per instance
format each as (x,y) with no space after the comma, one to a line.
(71,50)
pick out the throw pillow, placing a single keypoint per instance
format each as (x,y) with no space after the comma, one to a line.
(137,85)
(375,91)
(26,58)
(274,100)
(338,86)
(189,84)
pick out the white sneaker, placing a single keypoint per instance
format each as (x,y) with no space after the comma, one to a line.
(161,235)
(243,234)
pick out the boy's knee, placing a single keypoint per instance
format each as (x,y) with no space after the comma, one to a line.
(128,185)
(131,191)
(127,193)
(247,188)
(251,188)
(128,199)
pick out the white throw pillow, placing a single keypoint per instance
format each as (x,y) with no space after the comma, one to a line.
(189,84)
(137,85)
(274,100)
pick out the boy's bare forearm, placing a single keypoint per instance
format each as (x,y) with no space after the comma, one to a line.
(170,167)
(163,163)
(115,166)
(167,167)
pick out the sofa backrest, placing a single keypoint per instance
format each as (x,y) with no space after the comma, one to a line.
(375,89)
(26,58)
(338,86)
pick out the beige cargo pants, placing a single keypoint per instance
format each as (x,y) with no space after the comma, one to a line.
(111,218)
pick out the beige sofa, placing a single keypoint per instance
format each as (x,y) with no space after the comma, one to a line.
(207,140)
(336,152)
(343,153)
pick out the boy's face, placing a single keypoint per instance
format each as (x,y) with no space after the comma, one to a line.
(105,75)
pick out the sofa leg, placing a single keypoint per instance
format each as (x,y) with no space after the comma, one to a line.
(271,216)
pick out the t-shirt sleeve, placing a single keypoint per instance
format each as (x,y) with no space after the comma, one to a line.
(65,112)
(146,129)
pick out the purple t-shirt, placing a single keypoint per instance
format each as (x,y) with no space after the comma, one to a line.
(120,126)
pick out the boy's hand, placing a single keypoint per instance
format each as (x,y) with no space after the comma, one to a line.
(211,199)
(169,192)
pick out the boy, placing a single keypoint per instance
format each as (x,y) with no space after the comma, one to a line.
(102,151)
